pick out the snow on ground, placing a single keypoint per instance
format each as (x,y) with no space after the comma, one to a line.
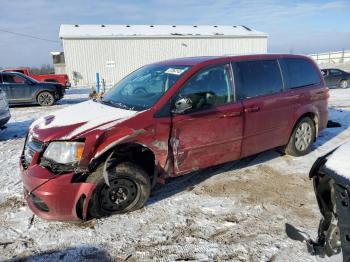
(248,210)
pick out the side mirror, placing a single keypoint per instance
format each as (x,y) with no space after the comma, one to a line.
(181,105)
(30,83)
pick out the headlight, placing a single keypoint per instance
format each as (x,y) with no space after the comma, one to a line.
(64,152)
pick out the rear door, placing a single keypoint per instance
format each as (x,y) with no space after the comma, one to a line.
(18,89)
(267,109)
(211,132)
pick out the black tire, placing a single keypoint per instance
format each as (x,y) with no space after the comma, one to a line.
(45,99)
(344,83)
(300,144)
(129,190)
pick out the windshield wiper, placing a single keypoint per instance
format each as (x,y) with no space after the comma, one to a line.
(115,104)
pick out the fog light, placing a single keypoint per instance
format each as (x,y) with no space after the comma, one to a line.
(38,203)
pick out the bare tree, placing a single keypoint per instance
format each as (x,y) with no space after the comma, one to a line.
(43,70)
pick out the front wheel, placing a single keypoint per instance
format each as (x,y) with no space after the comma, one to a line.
(45,99)
(302,138)
(129,190)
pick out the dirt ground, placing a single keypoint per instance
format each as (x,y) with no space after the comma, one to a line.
(247,210)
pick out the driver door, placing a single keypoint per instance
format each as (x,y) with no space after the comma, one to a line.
(209,133)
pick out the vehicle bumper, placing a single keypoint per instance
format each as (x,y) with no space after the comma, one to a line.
(4,117)
(54,197)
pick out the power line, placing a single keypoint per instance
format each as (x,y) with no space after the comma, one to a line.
(29,36)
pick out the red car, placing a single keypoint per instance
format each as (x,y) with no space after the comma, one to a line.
(53,78)
(167,119)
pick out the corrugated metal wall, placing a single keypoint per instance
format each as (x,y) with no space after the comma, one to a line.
(115,58)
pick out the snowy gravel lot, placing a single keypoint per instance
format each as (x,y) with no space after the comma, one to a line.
(240,211)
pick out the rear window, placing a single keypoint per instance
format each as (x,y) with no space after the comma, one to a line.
(299,72)
(257,78)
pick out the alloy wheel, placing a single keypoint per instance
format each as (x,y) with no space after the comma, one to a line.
(303,136)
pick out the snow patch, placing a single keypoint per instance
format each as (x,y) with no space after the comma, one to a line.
(339,161)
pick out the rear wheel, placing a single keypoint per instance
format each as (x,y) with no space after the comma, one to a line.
(46,99)
(344,83)
(129,190)
(302,138)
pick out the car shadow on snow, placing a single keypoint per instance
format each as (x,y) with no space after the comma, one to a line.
(71,101)
(79,91)
(336,116)
(15,130)
(188,181)
(79,253)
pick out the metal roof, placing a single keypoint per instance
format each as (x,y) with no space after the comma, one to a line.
(146,31)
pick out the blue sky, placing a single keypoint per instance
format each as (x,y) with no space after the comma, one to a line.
(307,26)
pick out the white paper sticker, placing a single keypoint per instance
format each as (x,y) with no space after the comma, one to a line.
(174,71)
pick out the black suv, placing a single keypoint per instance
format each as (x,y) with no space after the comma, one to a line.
(336,77)
(21,89)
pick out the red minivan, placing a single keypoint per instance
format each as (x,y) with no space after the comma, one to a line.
(167,119)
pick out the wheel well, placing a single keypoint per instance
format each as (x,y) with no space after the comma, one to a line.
(42,91)
(51,80)
(131,152)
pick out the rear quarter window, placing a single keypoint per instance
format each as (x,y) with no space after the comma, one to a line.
(299,72)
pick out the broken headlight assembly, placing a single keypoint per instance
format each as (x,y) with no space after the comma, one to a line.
(63,156)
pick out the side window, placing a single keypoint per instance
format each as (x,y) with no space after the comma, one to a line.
(257,78)
(299,72)
(208,88)
(18,79)
(335,72)
(13,79)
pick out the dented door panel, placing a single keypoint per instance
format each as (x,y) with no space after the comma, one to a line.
(207,138)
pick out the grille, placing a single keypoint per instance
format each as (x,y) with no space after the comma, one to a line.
(31,147)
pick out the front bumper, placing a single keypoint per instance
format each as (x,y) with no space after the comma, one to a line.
(57,192)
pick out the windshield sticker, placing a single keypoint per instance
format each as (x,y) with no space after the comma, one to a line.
(175,71)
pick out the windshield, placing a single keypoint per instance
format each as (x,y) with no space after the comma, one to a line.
(141,89)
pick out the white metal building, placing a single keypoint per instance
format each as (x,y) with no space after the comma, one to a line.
(116,50)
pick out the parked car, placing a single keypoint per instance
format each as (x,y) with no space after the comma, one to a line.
(336,77)
(53,78)
(331,177)
(21,89)
(168,119)
(4,109)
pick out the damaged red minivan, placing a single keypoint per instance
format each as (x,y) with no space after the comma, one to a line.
(167,119)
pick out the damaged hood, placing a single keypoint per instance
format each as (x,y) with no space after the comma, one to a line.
(74,120)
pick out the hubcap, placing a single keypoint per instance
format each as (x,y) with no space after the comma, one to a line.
(45,99)
(119,195)
(303,136)
(344,84)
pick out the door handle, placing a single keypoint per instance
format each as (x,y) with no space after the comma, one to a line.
(232,114)
(252,109)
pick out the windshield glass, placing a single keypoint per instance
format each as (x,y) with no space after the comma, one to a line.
(141,89)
